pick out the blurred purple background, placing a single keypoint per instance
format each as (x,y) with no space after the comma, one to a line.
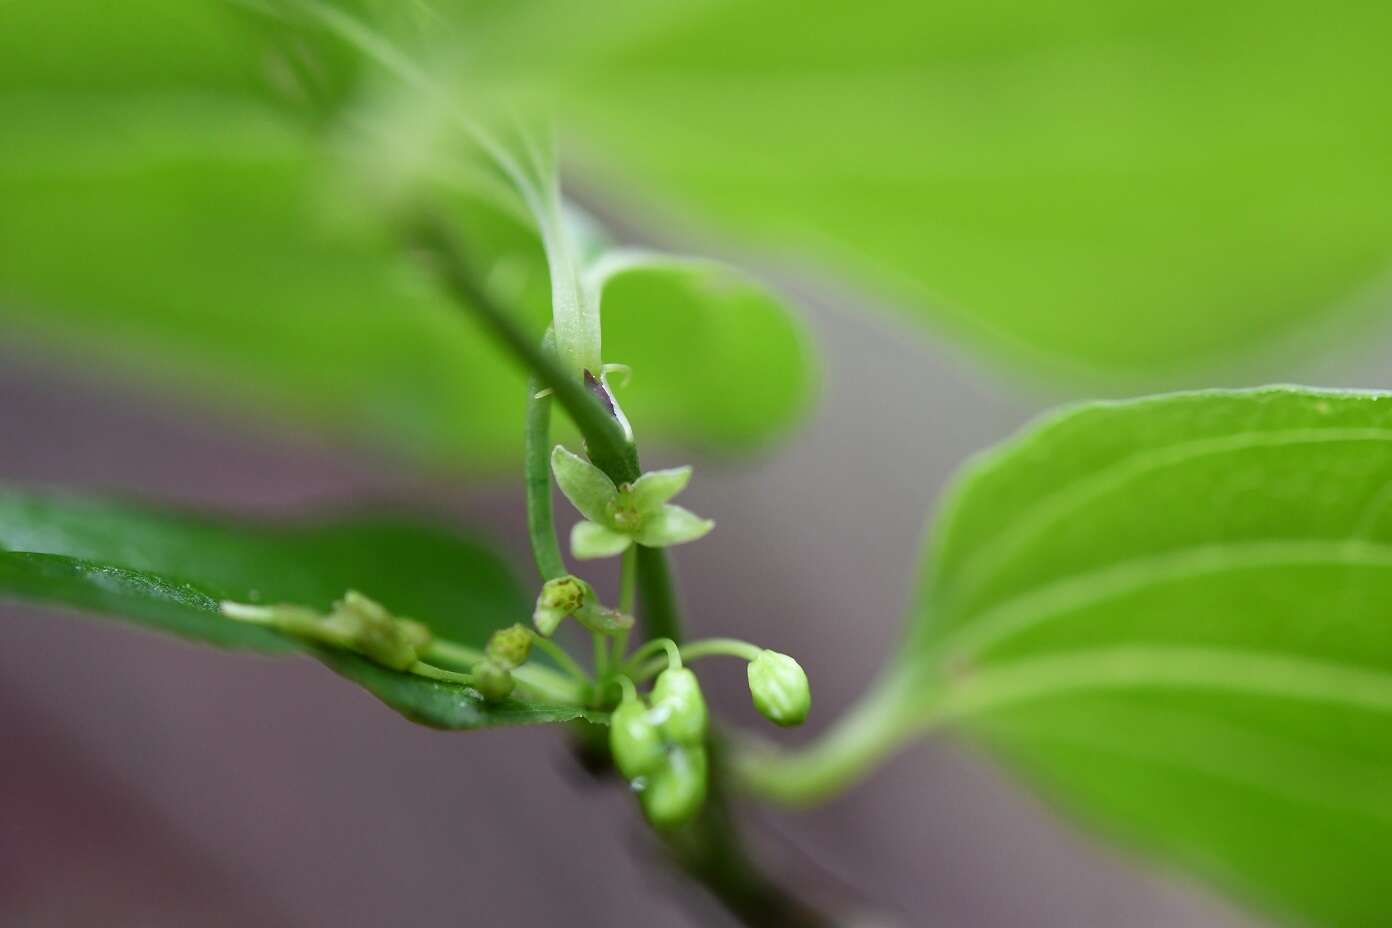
(148,782)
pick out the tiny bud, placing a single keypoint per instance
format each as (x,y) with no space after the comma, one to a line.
(493,681)
(559,598)
(678,707)
(635,741)
(510,646)
(779,687)
(674,793)
(566,593)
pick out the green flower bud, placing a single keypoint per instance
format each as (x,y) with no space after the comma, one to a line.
(510,646)
(678,707)
(559,598)
(635,741)
(356,623)
(779,687)
(675,792)
(493,681)
(375,633)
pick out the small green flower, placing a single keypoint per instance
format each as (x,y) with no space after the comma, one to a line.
(616,517)
(779,687)
(571,596)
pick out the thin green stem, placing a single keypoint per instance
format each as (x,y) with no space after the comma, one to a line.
(657,592)
(628,579)
(859,740)
(541,526)
(422,669)
(649,647)
(601,656)
(706,647)
(543,681)
(546,686)
(562,658)
(453,653)
(727,647)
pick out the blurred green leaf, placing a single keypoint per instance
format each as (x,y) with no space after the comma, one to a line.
(1098,187)
(168,571)
(1172,613)
(191,227)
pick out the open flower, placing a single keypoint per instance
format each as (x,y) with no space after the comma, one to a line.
(616,517)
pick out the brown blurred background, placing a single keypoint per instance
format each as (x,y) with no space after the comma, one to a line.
(148,782)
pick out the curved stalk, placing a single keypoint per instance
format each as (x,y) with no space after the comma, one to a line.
(541,526)
(608,446)
(542,681)
(858,741)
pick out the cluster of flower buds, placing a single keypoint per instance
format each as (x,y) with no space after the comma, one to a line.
(355,623)
(659,746)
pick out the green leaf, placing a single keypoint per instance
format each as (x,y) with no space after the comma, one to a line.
(1094,187)
(204,230)
(1171,614)
(168,571)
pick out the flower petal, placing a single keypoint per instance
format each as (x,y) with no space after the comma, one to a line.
(673,525)
(586,486)
(589,540)
(656,487)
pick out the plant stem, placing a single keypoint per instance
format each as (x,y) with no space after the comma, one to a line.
(706,647)
(601,656)
(727,647)
(542,681)
(605,441)
(859,740)
(562,658)
(541,526)
(658,594)
(608,447)
(628,578)
(709,849)
(421,669)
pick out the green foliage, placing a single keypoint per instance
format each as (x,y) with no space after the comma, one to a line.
(1102,188)
(1172,613)
(1090,188)
(169,571)
(1167,612)
(186,221)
